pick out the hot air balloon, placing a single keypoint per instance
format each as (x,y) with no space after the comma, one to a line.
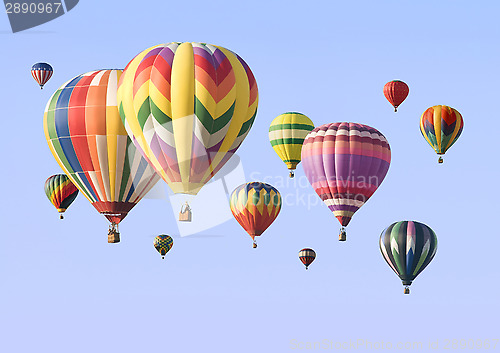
(61,192)
(441,127)
(163,243)
(345,163)
(187,107)
(255,206)
(396,92)
(408,247)
(307,256)
(286,134)
(88,140)
(41,72)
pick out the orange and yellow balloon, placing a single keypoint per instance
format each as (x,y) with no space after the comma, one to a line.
(441,127)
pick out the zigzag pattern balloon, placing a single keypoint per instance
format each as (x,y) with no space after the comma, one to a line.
(187,107)
(441,127)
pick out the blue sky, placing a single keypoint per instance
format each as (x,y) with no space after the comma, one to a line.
(65,289)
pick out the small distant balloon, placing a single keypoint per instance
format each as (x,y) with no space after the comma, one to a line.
(441,127)
(61,192)
(408,247)
(396,92)
(41,72)
(307,256)
(286,134)
(163,243)
(255,206)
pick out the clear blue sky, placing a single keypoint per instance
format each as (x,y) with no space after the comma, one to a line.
(65,289)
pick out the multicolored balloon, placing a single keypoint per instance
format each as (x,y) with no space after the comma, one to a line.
(41,72)
(286,134)
(163,243)
(88,140)
(307,256)
(61,192)
(187,107)
(255,206)
(441,127)
(408,247)
(396,92)
(345,163)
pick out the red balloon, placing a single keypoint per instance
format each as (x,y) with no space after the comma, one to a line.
(396,92)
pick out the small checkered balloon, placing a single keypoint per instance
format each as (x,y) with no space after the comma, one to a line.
(163,243)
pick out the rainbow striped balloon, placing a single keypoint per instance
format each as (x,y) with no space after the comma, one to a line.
(87,138)
(187,107)
(60,191)
(441,127)
(286,134)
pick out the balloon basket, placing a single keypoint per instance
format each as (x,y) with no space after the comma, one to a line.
(113,234)
(292,174)
(407,290)
(440,160)
(396,109)
(185,215)
(342,234)
(61,216)
(254,245)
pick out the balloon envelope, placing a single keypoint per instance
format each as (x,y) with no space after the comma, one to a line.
(187,107)
(60,191)
(255,206)
(87,138)
(441,127)
(408,247)
(286,134)
(307,256)
(163,243)
(345,163)
(396,92)
(41,72)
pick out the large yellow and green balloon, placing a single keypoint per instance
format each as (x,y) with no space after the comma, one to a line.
(187,107)
(286,134)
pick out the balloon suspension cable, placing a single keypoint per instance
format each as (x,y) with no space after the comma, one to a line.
(254,245)
(292,174)
(407,289)
(342,234)
(440,160)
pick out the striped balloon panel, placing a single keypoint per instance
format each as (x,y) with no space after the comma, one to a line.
(187,107)
(41,72)
(87,138)
(287,133)
(60,191)
(441,126)
(396,92)
(345,163)
(163,243)
(307,256)
(408,247)
(255,206)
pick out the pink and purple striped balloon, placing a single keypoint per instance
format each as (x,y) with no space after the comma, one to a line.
(345,163)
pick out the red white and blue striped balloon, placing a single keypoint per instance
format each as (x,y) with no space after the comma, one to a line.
(41,72)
